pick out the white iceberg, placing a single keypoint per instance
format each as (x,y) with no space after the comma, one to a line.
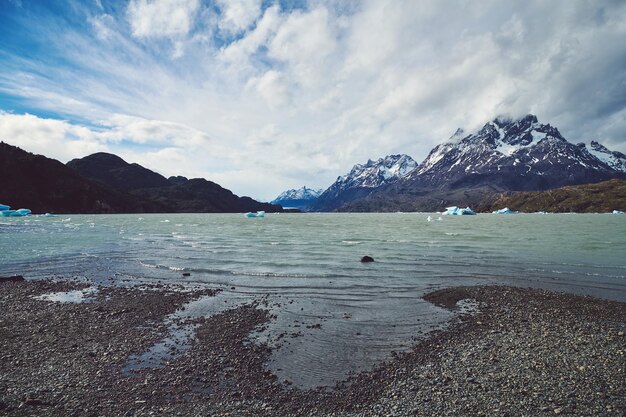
(257,214)
(505,210)
(455,211)
(15,213)
(619,212)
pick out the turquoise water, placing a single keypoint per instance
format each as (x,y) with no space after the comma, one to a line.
(308,267)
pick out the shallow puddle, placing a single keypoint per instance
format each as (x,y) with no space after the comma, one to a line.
(74,297)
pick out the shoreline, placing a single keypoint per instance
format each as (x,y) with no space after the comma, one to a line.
(524,352)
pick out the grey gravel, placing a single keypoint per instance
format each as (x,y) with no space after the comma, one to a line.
(525,352)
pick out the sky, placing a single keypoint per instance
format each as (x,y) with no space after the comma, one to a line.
(261,96)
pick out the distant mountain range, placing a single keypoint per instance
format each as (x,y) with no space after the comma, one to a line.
(480,169)
(364,179)
(105,183)
(300,198)
(505,155)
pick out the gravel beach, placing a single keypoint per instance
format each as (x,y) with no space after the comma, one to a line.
(520,352)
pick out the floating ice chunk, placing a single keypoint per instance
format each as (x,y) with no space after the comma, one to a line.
(455,211)
(619,212)
(505,210)
(15,213)
(4,207)
(430,219)
(257,214)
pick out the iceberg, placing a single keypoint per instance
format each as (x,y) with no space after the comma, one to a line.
(257,214)
(467,211)
(4,207)
(505,210)
(455,211)
(15,213)
(619,212)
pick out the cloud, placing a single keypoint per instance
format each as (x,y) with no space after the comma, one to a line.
(272,86)
(50,137)
(240,52)
(238,15)
(161,18)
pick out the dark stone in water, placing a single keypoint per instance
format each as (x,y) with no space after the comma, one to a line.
(186,274)
(367,259)
(14,278)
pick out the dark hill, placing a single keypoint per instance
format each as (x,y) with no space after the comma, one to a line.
(603,197)
(176,194)
(46,185)
(113,171)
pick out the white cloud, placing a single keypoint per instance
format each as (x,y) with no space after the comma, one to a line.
(272,86)
(161,18)
(238,15)
(50,137)
(304,41)
(239,52)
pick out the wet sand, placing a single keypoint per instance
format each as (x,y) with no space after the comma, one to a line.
(524,352)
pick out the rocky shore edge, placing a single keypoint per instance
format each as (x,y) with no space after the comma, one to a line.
(523,352)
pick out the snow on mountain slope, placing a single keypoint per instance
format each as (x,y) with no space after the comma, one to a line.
(303,193)
(515,153)
(363,178)
(614,159)
(376,173)
(301,198)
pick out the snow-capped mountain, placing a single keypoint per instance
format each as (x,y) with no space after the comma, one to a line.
(614,159)
(300,198)
(515,155)
(504,155)
(303,193)
(363,178)
(376,173)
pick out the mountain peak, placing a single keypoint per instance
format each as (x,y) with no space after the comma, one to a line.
(615,160)
(376,173)
(303,193)
(103,159)
(300,198)
(364,178)
(526,120)
(519,154)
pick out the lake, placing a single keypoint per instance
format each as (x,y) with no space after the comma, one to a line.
(307,266)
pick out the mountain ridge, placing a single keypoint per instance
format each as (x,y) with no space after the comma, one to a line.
(177,194)
(300,198)
(364,179)
(46,185)
(504,155)
(105,183)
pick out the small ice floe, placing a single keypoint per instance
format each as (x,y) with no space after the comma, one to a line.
(75,297)
(430,219)
(505,210)
(14,213)
(619,212)
(257,214)
(455,211)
